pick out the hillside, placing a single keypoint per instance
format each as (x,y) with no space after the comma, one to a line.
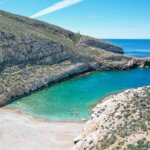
(34,54)
(119,122)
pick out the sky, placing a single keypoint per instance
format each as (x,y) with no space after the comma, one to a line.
(125,19)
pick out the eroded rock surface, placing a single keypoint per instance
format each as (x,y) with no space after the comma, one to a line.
(120,121)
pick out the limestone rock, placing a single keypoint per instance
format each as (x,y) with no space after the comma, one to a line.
(120,121)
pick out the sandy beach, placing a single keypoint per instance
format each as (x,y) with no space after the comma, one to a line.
(19,131)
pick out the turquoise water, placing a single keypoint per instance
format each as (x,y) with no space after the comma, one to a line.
(71,100)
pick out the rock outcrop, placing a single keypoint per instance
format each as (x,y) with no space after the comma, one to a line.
(34,54)
(120,121)
(100,44)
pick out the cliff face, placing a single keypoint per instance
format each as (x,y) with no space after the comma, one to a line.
(34,54)
(23,39)
(23,50)
(120,121)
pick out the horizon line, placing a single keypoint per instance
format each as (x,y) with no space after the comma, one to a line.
(127,38)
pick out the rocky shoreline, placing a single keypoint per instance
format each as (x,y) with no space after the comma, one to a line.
(29,79)
(120,121)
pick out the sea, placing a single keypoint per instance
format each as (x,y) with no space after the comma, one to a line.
(133,47)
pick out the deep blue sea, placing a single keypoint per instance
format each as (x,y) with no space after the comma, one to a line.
(72,99)
(132,47)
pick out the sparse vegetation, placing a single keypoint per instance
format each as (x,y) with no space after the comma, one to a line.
(76,37)
(121,128)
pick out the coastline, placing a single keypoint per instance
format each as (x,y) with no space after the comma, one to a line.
(47,84)
(41,110)
(22,130)
(25,113)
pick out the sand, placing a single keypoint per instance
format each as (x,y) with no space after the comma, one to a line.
(19,131)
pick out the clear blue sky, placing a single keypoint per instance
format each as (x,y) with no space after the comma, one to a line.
(98,18)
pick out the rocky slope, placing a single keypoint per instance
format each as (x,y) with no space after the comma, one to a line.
(120,121)
(34,54)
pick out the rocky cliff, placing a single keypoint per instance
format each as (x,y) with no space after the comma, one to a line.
(23,40)
(119,122)
(34,54)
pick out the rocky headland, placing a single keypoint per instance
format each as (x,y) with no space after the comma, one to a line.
(34,54)
(118,122)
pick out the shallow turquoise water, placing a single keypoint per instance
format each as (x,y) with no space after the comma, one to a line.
(71,99)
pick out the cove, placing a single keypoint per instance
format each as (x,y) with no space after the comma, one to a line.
(71,100)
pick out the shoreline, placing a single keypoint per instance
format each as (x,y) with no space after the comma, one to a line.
(64,119)
(24,113)
(48,85)
(69,72)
